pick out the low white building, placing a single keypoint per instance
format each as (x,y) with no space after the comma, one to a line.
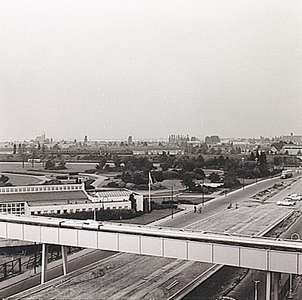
(291,149)
(59,199)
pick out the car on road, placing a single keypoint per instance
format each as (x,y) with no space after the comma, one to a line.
(286,174)
(286,202)
(295,197)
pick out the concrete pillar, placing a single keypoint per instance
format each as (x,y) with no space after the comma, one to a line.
(276,277)
(44,263)
(290,293)
(64,259)
(268,285)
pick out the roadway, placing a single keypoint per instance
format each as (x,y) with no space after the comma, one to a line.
(138,280)
(29,279)
(219,205)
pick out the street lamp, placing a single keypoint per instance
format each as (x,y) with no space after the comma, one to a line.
(294,236)
(172,201)
(242,159)
(202,192)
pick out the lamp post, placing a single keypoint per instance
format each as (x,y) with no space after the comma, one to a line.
(294,236)
(149,187)
(203,192)
(94,212)
(242,159)
(172,201)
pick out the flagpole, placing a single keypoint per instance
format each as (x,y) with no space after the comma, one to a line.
(150,180)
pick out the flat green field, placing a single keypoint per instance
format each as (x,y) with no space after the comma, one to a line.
(18,167)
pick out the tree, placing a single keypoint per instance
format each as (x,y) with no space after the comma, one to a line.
(138,178)
(4,180)
(214,139)
(126,177)
(49,165)
(61,165)
(187,181)
(200,161)
(277,161)
(158,176)
(230,181)
(165,165)
(117,161)
(263,164)
(200,172)
(214,177)
(252,156)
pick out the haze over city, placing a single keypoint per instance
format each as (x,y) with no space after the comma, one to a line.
(110,69)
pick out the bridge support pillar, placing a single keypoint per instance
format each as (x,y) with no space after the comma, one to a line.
(276,278)
(44,263)
(268,285)
(64,259)
(290,293)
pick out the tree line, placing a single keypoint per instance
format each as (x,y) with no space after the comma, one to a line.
(136,169)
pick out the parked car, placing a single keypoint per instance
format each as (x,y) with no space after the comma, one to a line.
(286,202)
(295,197)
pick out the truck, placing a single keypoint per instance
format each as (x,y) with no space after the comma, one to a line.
(286,174)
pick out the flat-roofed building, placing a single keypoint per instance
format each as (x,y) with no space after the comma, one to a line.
(292,149)
(296,139)
(66,198)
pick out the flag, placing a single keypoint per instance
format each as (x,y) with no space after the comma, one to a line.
(150,179)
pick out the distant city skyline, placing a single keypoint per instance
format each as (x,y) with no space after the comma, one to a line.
(109,69)
(134,139)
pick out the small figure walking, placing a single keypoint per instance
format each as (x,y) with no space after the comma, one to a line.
(195,208)
(200,209)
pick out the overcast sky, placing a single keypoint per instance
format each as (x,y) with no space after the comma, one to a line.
(148,68)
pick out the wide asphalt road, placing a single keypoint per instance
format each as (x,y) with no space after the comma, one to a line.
(18,286)
(219,204)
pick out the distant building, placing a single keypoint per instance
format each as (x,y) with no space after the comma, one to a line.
(291,149)
(40,138)
(296,139)
(173,138)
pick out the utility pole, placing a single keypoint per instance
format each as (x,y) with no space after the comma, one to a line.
(149,187)
(94,212)
(242,172)
(172,200)
(203,192)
